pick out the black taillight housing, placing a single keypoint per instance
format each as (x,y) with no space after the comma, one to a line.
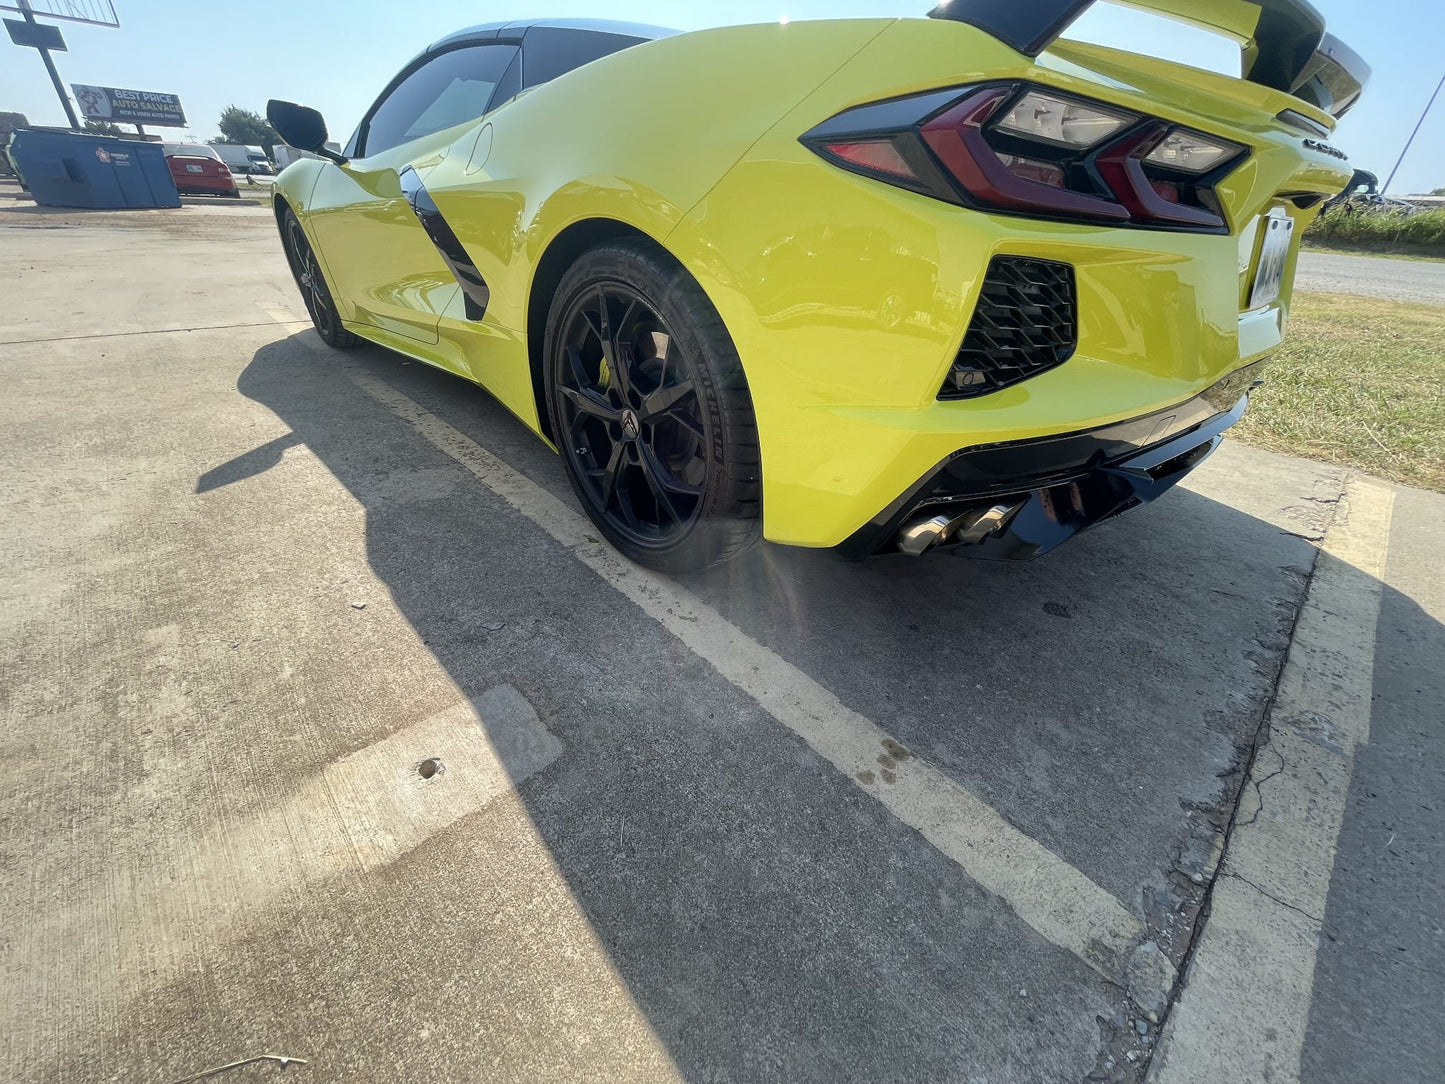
(1019,148)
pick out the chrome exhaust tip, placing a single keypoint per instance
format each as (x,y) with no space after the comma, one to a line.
(916,539)
(973,526)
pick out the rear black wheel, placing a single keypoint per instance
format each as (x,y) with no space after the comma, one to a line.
(306,269)
(651,411)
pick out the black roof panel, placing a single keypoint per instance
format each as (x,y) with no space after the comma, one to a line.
(517,27)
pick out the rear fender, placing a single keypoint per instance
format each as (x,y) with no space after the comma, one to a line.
(604,141)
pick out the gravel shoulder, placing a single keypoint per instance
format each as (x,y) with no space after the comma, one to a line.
(1370,276)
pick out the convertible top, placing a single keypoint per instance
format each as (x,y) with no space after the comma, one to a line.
(517,29)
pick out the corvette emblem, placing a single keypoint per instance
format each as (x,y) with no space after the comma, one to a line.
(1325,148)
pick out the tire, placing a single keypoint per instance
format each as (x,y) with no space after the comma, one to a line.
(656,428)
(306,270)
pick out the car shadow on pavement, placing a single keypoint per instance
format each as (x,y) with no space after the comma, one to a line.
(769,919)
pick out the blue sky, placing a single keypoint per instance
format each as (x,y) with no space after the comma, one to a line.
(336,55)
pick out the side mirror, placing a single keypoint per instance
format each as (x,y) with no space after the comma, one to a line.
(301,127)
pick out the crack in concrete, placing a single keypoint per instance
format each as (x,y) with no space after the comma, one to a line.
(131,334)
(1258,784)
(1260,741)
(1271,896)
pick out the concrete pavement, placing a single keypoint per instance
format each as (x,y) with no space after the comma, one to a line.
(1382,959)
(257,587)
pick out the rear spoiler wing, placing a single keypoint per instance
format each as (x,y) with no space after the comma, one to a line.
(1283,43)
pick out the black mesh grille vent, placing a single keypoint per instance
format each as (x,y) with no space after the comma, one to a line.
(1024,324)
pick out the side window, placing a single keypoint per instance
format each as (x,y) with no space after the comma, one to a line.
(449,89)
(553,51)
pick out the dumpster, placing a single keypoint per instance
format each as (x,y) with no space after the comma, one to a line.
(74,169)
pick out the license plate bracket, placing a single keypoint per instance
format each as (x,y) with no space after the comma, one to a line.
(1278,230)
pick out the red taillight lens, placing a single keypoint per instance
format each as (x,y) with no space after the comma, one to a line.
(957,137)
(1122,165)
(1166,190)
(877,155)
(1022,149)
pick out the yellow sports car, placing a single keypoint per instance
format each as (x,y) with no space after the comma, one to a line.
(877,285)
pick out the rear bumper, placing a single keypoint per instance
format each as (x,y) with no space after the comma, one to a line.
(1043,492)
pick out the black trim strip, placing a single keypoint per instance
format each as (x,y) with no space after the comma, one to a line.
(476,294)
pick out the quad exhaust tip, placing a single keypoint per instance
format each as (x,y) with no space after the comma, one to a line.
(972,526)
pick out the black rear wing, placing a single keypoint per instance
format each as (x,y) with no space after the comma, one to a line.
(1283,43)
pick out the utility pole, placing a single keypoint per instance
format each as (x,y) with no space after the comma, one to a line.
(1404,152)
(44,52)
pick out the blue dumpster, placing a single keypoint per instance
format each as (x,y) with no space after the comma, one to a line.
(73,169)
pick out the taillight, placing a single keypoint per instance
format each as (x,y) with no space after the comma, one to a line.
(874,155)
(1021,149)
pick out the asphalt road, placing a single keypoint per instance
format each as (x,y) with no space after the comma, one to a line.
(332,732)
(1372,276)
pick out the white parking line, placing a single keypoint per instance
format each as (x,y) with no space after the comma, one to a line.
(283,317)
(1246,1001)
(1053,897)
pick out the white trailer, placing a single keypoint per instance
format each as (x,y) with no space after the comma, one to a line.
(285,155)
(242,159)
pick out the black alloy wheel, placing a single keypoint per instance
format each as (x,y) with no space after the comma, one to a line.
(306,269)
(650,410)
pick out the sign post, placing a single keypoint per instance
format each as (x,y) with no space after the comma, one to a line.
(42,39)
(45,39)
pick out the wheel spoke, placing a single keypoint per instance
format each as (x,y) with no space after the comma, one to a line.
(313,283)
(604,328)
(626,460)
(653,471)
(584,397)
(664,484)
(662,355)
(596,331)
(622,370)
(588,405)
(606,477)
(665,399)
(579,372)
(692,426)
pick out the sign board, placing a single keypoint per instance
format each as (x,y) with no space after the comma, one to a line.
(94,12)
(131,106)
(36,35)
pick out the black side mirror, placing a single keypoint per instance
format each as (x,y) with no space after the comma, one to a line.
(301,127)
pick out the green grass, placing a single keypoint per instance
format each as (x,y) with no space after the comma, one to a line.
(1359,382)
(1380,230)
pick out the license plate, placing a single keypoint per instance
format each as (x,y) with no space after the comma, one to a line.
(195,169)
(1273,252)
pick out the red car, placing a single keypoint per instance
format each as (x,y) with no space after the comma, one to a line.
(199,171)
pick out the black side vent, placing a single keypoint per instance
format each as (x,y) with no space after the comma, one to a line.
(1025,324)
